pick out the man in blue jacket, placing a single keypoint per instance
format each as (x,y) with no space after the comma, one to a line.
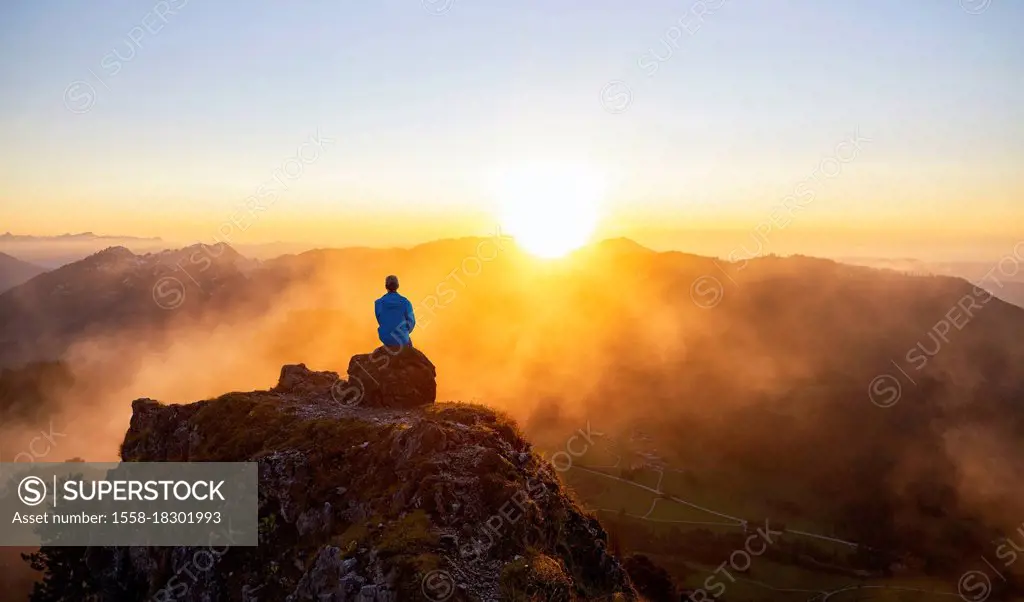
(395,318)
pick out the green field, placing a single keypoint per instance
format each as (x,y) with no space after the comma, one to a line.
(603,492)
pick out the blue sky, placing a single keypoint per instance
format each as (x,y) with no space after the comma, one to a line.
(420,104)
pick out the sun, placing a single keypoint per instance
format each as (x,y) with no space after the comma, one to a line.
(550,209)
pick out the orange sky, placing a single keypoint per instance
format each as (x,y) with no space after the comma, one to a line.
(392,121)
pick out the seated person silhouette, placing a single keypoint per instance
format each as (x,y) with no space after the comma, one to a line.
(395,318)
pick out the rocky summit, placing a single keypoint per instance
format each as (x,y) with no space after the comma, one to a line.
(386,378)
(384,497)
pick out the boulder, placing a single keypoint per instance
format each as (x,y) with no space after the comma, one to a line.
(393,378)
(297,379)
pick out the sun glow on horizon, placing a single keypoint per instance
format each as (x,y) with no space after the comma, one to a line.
(550,209)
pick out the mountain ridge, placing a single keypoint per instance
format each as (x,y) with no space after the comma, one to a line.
(14,271)
(892,389)
(68,236)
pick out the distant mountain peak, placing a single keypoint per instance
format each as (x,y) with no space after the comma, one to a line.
(116,250)
(115,253)
(623,244)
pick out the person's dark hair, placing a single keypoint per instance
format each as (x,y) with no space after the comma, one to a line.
(391,283)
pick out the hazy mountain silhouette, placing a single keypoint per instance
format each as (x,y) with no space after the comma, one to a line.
(110,291)
(13,271)
(8,237)
(1012,292)
(880,407)
(55,251)
(1003,278)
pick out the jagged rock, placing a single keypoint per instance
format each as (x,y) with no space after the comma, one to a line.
(300,380)
(402,378)
(315,521)
(363,503)
(423,440)
(326,579)
(174,439)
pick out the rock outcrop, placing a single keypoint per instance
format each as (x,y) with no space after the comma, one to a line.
(297,379)
(389,499)
(397,378)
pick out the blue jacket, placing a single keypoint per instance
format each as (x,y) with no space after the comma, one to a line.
(395,319)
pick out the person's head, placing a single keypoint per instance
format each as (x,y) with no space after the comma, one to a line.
(391,283)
